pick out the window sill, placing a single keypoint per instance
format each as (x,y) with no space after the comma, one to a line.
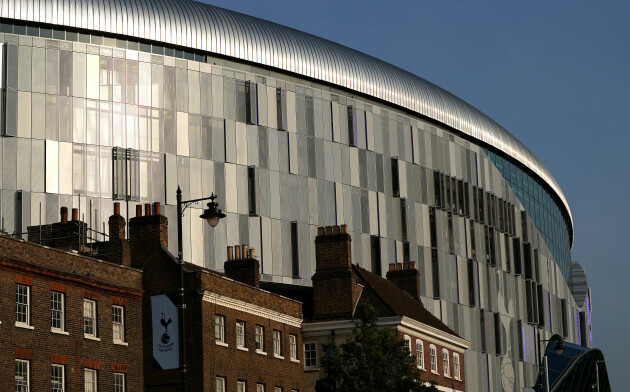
(219,343)
(90,337)
(242,348)
(421,368)
(434,372)
(25,326)
(260,352)
(311,369)
(121,343)
(295,360)
(59,331)
(278,356)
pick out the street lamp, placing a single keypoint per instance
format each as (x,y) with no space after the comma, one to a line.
(212,215)
(559,349)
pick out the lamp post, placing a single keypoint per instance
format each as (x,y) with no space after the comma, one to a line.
(212,215)
(559,349)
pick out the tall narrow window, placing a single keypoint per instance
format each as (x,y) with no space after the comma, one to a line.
(524,225)
(22,304)
(435,270)
(375,248)
(508,261)
(482,209)
(260,388)
(252,184)
(310,355)
(240,334)
(241,386)
(126,173)
(451,234)
(445,363)
(403,219)
(456,371)
(220,384)
(251,102)
(492,247)
(277,343)
(475,205)
(527,258)
(461,198)
(57,310)
(89,318)
(433,359)
(437,189)
(516,249)
(466,200)
(407,343)
(293,347)
(119,382)
(260,338)
(395,177)
(57,378)
(295,251)
(352,127)
(473,243)
(22,376)
(419,354)
(497,334)
(482,323)
(118,323)
(432,227)
(471,282)
(90,379)
(521,340)
(281,108)
(219,328)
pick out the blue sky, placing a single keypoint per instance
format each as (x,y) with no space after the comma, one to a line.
(555,74)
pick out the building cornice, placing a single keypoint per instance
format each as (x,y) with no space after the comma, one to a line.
(246,307)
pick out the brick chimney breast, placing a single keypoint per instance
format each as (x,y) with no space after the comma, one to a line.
(245,270)
(407,277)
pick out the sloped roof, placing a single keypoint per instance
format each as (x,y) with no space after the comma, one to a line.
(398,301)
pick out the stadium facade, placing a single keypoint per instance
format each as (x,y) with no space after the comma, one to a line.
(110,100)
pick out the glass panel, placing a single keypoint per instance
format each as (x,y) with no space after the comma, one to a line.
(39,70)
(65,119)
(144,93)
(24,69)
(52,71)
(181,92)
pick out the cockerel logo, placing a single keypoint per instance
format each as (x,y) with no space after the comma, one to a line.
(165,336)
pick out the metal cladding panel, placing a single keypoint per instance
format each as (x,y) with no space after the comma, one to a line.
(212,29)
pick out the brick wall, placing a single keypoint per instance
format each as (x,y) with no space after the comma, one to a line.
(45,270)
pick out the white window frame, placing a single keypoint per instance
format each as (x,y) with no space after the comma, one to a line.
(89,314)
(456,369)
(241,386)
(57,311)
(407,342)
(240,334)
(277,344)
(433,352)
(90,383)
(260,388)
(307,353)
(293,354)
(220,384)
(57,380)
(118,327)
(419,354)
(22,305)
(446,363)
(21,384)
(219,330)
(120,382)
(260,339)
(277,389)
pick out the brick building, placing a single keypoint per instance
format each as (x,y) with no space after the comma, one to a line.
(67,320)
(337,287)
(238,336)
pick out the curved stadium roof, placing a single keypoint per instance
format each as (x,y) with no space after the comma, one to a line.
(204,27)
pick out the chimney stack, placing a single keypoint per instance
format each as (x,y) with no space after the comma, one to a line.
(406,276)
(149,228)
(335,290)
(116,224)
(64,215)
(246,269)
(75,214)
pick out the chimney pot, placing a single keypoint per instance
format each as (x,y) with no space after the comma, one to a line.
(139,210)
(75,214)
(64,215)
(157,210)
(398,267)
(320,231)
(237,252)
(335,229)
(116,208)
(147,209)
(405,266)
(344,229)
(245,252)
(412,265)
(252,253)
(328,230)
(230,255)
(392,266)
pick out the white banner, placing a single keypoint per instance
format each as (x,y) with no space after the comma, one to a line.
(165,332)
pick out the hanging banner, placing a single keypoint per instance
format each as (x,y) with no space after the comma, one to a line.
(165,332)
